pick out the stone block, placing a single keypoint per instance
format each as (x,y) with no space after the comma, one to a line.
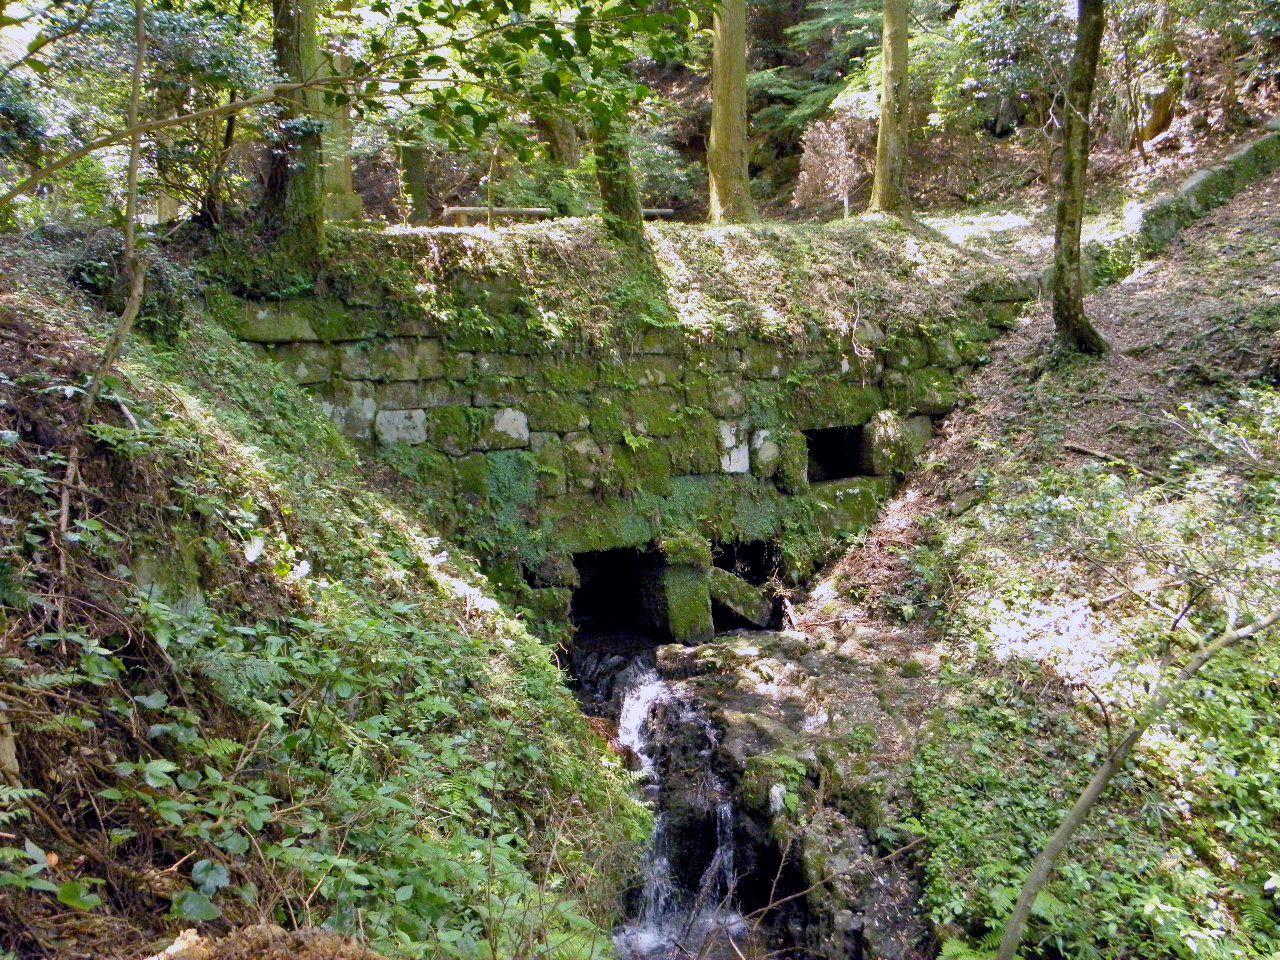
(906,353)
(893,443)
(1208,188)
(513,424)
(747,601)
(668,340)
(850,506)
(350,405)
(695,450)
(550,603)
(499,392)
(688,604)
(401,426)
(835,403)
(454,429)
(586,461)
(549,464)
(653,412)
(457,364)
(765,453)
(764,361)
(569,374)
(943,351)
(505,365)
(726,399)
(419,394)
(401,358)
(306,363)
(292,321)
(556,412)
(735,448)
(930,390)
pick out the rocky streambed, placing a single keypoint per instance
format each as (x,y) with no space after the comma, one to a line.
(771,837)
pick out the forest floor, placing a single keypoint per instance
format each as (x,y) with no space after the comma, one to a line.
(1020,230)
(923,604)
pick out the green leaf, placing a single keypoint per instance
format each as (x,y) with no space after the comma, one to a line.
(153,700)
(76,895)
(193,905)
(209,876)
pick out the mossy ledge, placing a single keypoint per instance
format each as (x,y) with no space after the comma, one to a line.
(553,393)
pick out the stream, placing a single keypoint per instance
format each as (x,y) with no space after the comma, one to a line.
(673,920)
(687,905)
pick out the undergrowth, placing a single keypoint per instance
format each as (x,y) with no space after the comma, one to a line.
(1062,594)
(244,680)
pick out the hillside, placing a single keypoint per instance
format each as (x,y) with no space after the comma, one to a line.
(244,679)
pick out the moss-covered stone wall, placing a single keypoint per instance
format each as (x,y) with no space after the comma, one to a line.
(554,394)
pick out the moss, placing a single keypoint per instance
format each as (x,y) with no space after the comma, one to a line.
(556,412)
(455,429)
(686,548)
(850,506)
(929,390)
(688,604)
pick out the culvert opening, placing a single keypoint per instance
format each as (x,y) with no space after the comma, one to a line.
(619,618)
(837,453)
(756,561)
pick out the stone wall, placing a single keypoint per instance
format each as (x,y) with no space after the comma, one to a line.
(676,433)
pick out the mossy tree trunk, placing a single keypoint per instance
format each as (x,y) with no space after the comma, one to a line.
(564,147)
(417,181)
(727,150)
(1071,323)
(295,181)
(561,135)
(616,178)
(889,185)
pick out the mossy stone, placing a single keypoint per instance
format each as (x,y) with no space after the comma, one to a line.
(850,506)
(930,390)
(688,604)
(455,429)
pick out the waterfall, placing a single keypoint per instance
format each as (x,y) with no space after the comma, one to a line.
(671,922)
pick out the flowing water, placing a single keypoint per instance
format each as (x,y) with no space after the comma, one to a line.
(674,918)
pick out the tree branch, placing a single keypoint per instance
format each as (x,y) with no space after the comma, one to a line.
(1160,700)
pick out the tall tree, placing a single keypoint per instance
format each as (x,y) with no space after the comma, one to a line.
(889,185)
(727,151)
(1071,323)
(295,180)
(616,178)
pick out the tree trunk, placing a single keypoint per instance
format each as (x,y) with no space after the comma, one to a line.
(889,187)
(341,202)
(295,182)
(417,182)
(619,192)
(1074,331)
(727,150)
(562,140)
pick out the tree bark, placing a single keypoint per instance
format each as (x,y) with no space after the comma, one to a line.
(295,181)
(561,135)
(619,192)
(727,150)
(134,268)
(417,182)
(889,187)
(1114,763)
(1074,331)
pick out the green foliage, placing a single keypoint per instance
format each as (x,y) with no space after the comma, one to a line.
(330,702)
(1177,860)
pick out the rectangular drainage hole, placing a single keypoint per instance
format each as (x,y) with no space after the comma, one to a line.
(837,453)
